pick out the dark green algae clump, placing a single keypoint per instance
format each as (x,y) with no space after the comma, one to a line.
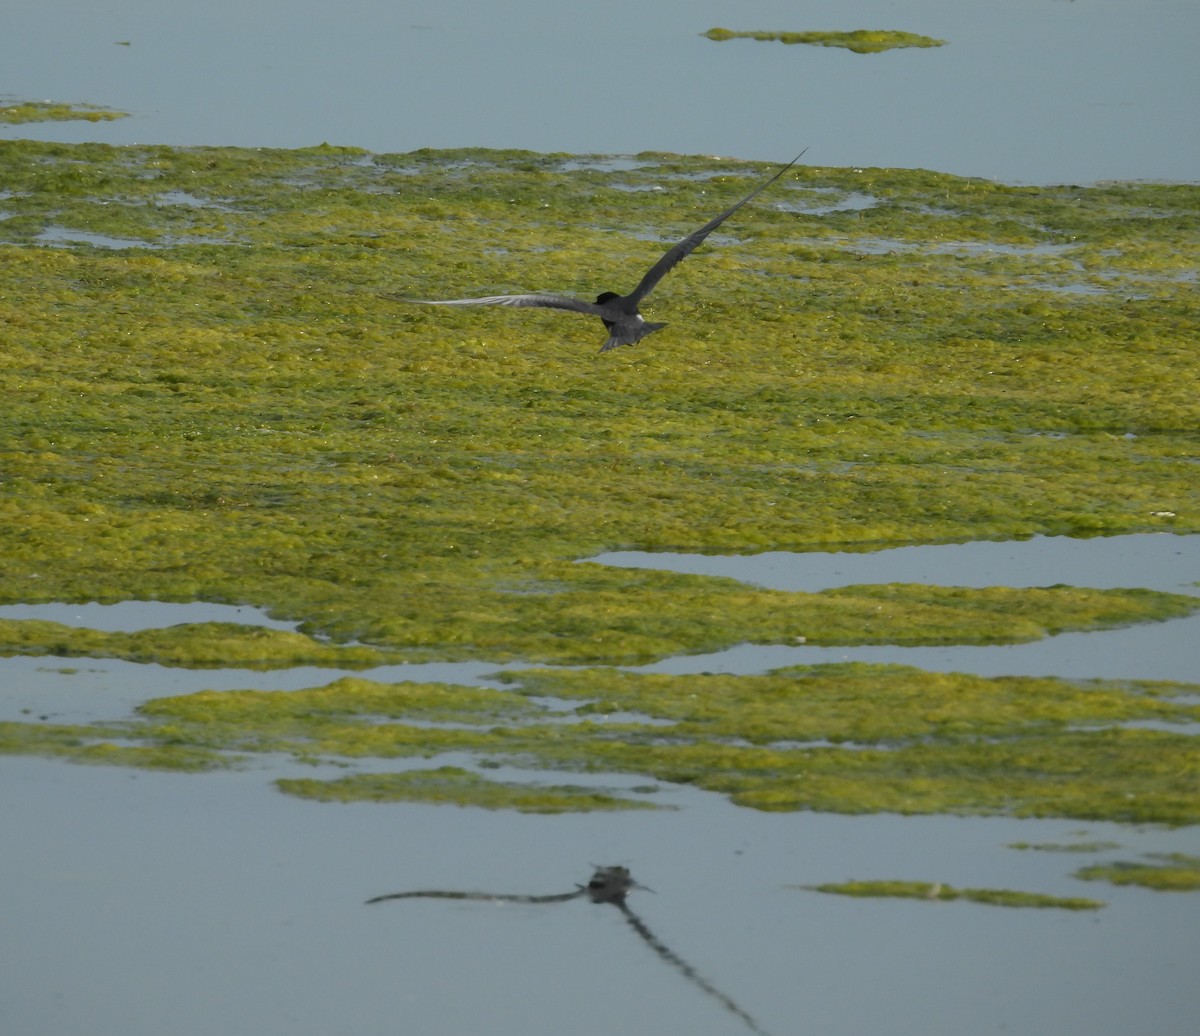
(199,645)
(451,785)
(626,618)
(849,738)
(937,892)
(236,408)
(50,111)
(860,41)
(1171,872)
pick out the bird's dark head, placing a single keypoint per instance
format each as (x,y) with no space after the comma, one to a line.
(604,296)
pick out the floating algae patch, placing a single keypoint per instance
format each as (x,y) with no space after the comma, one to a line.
(348,698)
(861,41)
(349,718)
(993,614)
(854,702)
(911,741)
(578,614)
(597,614)
(936,891)
(197,645)
(1177,872)
(450,785)
(49,111)
(590,613)
(848,738)
(1065,847)
(106,745)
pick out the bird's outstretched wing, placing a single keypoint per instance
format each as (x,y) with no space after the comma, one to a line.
(538,301)
(676,253)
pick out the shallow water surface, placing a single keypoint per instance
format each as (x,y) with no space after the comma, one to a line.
(150,903)
(1039,91)
(130,616)
(1155,561)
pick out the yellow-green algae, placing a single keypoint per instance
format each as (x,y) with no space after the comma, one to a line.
(50,111)
(453,785)
(860,41)
(346,698)
(96,744)
(1065,847)
(196,645)
(596,617)
(850,738)
(856,702)
(242,412)
(1178,872)
(936,891)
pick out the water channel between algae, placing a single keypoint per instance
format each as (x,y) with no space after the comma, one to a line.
(212,393)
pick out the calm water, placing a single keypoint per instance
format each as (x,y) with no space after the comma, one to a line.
(1029,91)
(144,904)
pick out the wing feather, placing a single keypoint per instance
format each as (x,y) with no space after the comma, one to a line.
(677,253)
(537,301)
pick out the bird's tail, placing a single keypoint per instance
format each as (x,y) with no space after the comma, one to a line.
(643,329)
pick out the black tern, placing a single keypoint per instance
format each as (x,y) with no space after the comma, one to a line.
(619,313)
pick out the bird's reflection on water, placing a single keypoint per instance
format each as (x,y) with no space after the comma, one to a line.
(606,885)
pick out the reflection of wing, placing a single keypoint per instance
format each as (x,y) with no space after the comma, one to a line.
(539,301)
(677,253)
(561,897)
(669,955)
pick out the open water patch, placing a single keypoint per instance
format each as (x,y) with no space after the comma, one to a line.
(1165,562)
(1153,561)
(725,892)
(60,237)
(826,200)
(132,616)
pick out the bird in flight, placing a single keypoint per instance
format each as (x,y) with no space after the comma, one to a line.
(619,313)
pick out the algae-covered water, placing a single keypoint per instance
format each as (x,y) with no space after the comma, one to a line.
(327,588)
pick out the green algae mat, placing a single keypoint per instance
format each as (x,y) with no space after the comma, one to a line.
(214,391)
(18,111)
(935,892)
(859,41)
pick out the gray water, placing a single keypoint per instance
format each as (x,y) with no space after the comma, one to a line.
(1029,91)
(144,904)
